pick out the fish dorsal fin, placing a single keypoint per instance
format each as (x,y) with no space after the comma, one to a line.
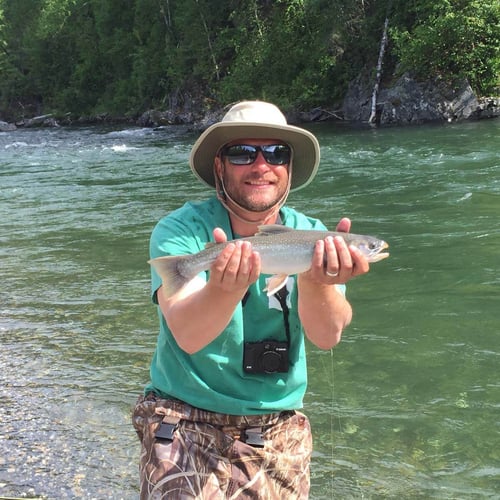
(264,230)
(269,229)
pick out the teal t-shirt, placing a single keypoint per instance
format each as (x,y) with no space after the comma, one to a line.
(213,378)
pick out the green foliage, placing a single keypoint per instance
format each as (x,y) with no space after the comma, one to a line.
(282,54)
(18,21)
(458,38)
(125,56)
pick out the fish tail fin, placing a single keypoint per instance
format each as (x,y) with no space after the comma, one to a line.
(168,269)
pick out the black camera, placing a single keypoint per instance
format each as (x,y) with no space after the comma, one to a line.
(267,356)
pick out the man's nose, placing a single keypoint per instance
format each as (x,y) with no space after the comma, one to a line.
(260,161)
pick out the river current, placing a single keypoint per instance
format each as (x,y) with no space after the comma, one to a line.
(406,406)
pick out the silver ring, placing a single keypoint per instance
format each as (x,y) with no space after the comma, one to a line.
(332,275)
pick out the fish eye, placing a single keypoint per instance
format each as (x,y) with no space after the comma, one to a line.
(372,245)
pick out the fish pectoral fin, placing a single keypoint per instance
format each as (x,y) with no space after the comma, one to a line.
(275,283)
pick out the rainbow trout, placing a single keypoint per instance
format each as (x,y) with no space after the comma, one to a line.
(283,251)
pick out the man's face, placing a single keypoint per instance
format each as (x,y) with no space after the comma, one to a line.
(259,185)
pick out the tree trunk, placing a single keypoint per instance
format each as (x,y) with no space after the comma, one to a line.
(383,44)
(209,41)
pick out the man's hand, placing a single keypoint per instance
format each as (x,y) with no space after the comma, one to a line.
(344,225)
(236,267)
(335,262)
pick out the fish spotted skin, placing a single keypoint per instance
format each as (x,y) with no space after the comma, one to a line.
(283,251)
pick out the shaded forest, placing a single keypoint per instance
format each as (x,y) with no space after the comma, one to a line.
(122,57)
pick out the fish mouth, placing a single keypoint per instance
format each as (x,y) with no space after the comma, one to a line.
(381,255)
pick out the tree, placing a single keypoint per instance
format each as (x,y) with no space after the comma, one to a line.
(18,41)
(457,39)
(125,56)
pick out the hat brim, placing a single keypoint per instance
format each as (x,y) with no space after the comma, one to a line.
(305,147)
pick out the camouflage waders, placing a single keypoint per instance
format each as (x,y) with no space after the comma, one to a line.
(188,453)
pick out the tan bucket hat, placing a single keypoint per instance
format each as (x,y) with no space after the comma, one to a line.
(256,120)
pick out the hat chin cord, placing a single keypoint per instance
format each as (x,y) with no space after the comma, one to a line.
(224,197)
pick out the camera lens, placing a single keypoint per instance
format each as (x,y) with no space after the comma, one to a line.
(271,361)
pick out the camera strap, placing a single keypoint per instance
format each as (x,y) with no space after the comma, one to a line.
(281,296)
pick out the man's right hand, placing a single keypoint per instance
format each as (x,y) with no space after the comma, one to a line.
(236,267)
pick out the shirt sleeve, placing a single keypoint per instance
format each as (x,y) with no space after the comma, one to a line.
(171,236)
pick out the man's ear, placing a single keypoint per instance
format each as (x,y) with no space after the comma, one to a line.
(218,175)
(218,166)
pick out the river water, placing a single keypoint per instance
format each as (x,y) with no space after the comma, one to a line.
(407,406)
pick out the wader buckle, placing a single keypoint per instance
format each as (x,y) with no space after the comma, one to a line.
(254,437)
(167,428)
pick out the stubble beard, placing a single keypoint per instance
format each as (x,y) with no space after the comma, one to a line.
(254,203)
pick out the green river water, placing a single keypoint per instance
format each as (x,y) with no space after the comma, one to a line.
(408,404)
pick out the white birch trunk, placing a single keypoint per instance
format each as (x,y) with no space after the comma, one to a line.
(380,62)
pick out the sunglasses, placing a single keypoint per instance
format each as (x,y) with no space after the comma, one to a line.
(245,154)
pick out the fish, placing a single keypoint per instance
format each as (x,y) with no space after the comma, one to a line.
(284,251)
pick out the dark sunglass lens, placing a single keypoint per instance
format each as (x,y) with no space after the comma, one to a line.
(240,154)
(276,154)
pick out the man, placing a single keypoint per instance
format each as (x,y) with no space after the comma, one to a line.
(211,425)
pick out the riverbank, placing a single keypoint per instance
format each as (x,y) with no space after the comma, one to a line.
(406,102)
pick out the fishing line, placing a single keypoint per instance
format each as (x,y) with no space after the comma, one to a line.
(332,383)
(329,370)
